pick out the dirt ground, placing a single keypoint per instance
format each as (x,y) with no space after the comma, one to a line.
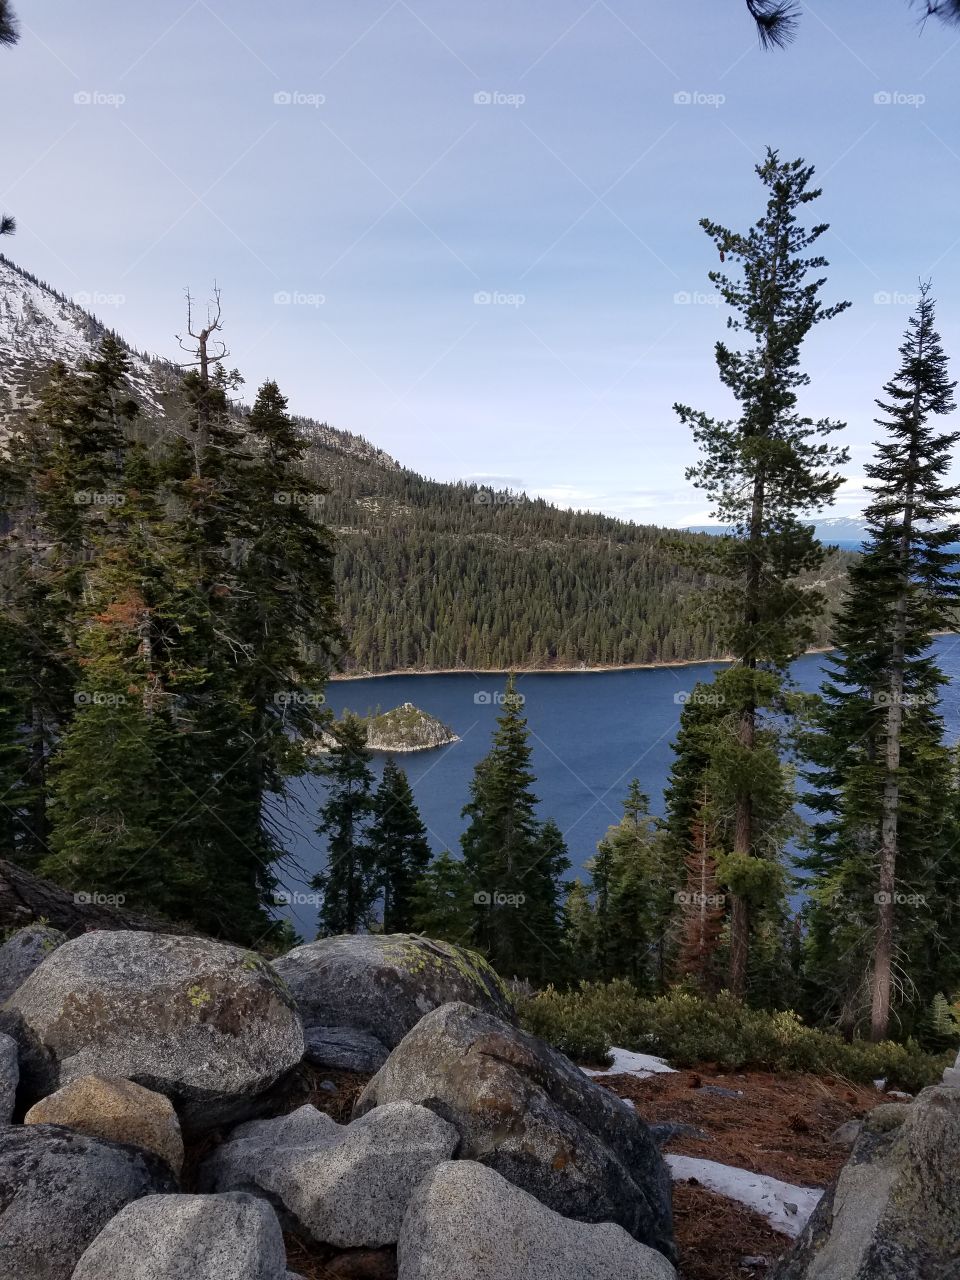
(780,1126)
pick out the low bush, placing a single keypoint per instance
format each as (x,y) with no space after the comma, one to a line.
(688,1028)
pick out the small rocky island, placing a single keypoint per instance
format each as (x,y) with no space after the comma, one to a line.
(405,728)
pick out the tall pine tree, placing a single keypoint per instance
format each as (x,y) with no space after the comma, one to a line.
(883,775)
(764,472)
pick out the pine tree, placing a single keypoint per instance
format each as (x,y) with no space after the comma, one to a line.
(115,785)
(442,904)
(763,472)
(400,847)
(62,477)
(349,882)
(511,861)
(883,775)
(581,933)
(638,895)
(702,907)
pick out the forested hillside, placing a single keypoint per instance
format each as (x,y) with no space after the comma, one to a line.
(429,575)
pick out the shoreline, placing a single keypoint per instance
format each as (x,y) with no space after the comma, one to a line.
(566,671)
(546,671)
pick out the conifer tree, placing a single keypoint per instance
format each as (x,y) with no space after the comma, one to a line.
(512,862)
(63,478)
(701,916)
(883,775)
(349,881)
(400,847)
(637,894)
(581,932)
(442,904)
(764,471)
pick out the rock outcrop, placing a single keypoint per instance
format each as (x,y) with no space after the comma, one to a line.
(23,952)
(526,1111)
(343,1185)
(230,1237)
(209,1025)
(117,1110)
(58,1189)
(9,1077)
(383,984)
(344,1049)
(467,1221)
(894,1211)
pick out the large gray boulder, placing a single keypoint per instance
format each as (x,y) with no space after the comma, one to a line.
(22,952)
(343,1185)
(231,1237)
(209,1025)
(467,1221)
(9,1077)
(58,1189)
(383,984)
(526,1111)
(894,1211)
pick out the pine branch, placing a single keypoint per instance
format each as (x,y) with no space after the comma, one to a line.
(9,29)
(776,21)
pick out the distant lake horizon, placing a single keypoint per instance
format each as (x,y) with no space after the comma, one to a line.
(591,732)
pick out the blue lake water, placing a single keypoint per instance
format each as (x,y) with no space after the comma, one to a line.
(591,732)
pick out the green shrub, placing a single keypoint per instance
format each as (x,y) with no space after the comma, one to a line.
(688,1028)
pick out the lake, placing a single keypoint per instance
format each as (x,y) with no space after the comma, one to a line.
(590,732)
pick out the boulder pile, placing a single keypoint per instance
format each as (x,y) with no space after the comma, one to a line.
(475,1151)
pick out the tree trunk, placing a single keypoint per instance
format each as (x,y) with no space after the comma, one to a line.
(26,898)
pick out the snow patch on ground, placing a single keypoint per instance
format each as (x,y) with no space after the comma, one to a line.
(628,1063)
(767,1196)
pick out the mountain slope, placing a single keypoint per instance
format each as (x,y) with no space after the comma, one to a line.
(431,576)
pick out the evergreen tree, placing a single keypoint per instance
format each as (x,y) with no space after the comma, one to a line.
(115,786)
(763,471)
(512,862)
(884,779)
(581,933)
(441,903)
(702,910)
(349,882)
(400,847)
(638,895)
(62,477)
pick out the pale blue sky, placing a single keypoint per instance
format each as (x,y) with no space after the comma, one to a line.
(572,197)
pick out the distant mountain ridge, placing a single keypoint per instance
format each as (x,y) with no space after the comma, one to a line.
(430,575)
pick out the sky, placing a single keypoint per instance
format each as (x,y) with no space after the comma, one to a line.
(470,233)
